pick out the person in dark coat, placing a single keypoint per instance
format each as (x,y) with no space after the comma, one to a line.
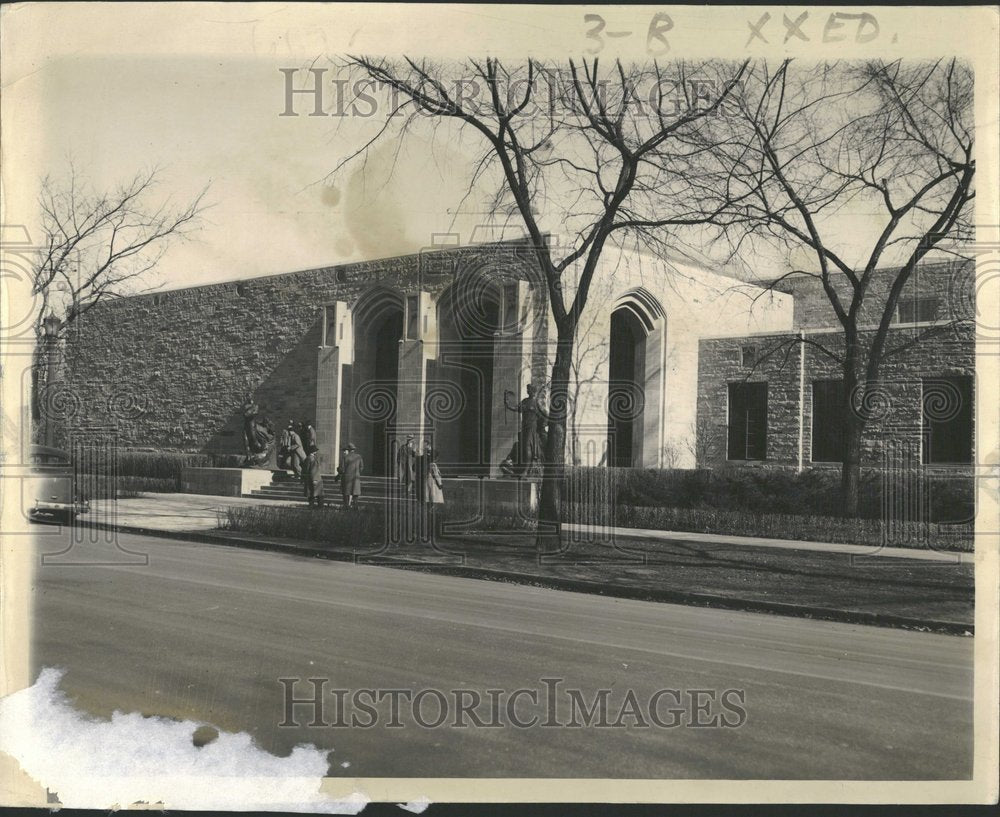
(312,481)
(406,466)
(351,466)
(309,438)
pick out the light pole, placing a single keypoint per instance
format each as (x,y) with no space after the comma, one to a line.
(51,326)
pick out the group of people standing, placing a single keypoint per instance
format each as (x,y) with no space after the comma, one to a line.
(419,477)
(297,450)
(418,473)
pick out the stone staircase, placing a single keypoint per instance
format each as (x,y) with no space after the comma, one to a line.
(504,495)
(284,486)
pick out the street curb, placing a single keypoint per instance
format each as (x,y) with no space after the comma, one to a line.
(555,583)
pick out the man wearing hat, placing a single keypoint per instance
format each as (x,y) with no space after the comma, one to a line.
(308,438)
(349,473)
(291,447)
(312,480)
(406,466)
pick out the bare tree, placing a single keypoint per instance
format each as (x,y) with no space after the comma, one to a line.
(704,442)
(581,150)
(97,246)
(797,147)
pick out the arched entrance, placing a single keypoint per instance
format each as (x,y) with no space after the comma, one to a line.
(469,316)
(378,329)
(635,381)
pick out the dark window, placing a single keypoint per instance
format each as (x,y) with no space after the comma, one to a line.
(947,413)
(411,317)
(748,356)
(331,337)
(917,309)
(828,421)
(747,421)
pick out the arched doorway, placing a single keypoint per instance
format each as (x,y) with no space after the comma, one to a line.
(635,381)
(469,316)
(378,329)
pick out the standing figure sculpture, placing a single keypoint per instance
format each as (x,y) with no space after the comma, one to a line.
(258,434)
(530,439)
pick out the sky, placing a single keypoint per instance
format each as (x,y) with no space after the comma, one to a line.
(271,206)
(197,91)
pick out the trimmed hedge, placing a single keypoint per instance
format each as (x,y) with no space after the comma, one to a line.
(363,527)
(154,471)
(950,498)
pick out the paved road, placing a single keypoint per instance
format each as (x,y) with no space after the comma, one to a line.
(205,632)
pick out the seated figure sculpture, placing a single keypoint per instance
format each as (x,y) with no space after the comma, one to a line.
(258,434)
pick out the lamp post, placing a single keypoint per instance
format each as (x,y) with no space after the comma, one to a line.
(51,326)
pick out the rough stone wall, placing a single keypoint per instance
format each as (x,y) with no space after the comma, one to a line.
(950,281)
(169,371)
(898,407)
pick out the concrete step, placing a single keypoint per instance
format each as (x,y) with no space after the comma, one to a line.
(285,487)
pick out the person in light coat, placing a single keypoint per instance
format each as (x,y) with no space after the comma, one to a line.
(291,448)
(434,493)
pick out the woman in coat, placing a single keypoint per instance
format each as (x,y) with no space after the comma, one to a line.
(434,493)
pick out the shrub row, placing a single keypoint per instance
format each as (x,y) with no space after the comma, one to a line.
(758,490)
(149,470)
(363,528)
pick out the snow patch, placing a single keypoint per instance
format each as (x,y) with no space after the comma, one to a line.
(93,763)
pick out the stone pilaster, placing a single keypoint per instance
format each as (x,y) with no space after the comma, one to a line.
(417,346)
(336,352)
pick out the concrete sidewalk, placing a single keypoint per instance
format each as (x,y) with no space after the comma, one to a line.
(180,513)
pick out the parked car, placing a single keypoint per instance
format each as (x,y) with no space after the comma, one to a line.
(52,487)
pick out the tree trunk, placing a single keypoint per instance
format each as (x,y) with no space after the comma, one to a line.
(37,385)
(549,536)
(856,406)
(850,475)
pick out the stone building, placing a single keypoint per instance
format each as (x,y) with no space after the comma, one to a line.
(425,344)
(774,398)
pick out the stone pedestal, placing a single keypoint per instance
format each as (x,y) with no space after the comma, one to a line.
(224,481)
(494,496)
